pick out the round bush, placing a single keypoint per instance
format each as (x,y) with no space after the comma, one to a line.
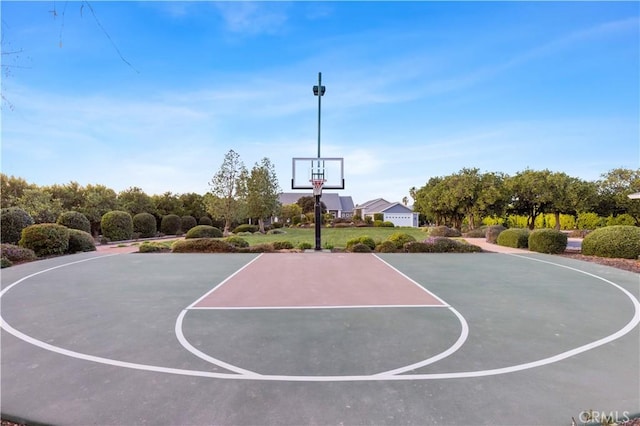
(202,245)
(444,231)
(365,239)
(493,232)
(187,222)
(80,241)
(204,231)
(619,241)
(282,245)
(305,246)
(145,225)
(548,241)
(151,247)
(205,220)
(237,241)
(245,227)
(16,253)
(514,237)
(117,225)
(74,220)
(170,224)
(5,263)
(387,247)
(45,239)
(400,238)
(361,248)
(12,221)
(480,232)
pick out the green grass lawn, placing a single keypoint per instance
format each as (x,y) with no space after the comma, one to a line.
(331,237)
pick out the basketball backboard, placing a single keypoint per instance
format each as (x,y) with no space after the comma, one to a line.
(307,169)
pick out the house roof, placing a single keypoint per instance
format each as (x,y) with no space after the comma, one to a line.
(380,205)
(397,208)
(331,200)
(634,196)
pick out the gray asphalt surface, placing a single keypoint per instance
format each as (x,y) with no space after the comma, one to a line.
(104,349)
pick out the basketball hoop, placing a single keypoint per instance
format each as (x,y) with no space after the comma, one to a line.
(317,186)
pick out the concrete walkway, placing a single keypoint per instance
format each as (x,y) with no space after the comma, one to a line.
(493,248)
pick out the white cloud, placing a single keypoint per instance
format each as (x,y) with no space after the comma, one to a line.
(253,18)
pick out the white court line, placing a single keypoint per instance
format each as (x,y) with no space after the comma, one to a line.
(291,308)
(434,376)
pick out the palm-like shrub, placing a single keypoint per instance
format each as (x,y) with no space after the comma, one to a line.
(117,225)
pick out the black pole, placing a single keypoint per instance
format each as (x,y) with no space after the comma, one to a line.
(318,211)
(317,208)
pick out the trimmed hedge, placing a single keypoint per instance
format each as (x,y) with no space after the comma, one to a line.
(16,253)
(514,237)
(245,227)
(187,222)
(237,241)
(152,247)
(80,241)
(202,245)
(282,245)
(205,220)
(170,224)
(548,241)
(492,233)
(74,220)
(145,224)
(440,245)
(117,225)
(400,239)
(360,248)
(618,241)
(444,231)
(5,263)
(12,221)
(45,239)
(203,231)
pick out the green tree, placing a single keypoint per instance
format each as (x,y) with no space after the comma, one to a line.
(12,188)
(531,194)
(167,203)
(98,200)
(614,189)
(228,186)
(262,192)
(193,204)
(289,211)
(134,200)
(71,195)
(40,205)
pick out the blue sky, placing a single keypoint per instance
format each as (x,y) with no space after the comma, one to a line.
(414,90)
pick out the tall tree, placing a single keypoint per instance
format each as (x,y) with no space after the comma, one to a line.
(228,186)
(134,200)
(531,194)
(40,205)
(71,195)
(614,189)
(98,200)
(193,204)
(262,192)
(12,188)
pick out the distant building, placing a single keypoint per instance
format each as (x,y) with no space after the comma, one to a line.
(338,206)
(396,213)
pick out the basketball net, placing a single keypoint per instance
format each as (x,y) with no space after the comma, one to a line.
(317,186)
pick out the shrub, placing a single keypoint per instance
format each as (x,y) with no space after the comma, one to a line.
(258,248)
(170,224)
(493,232)
(388,224)
(480,232)
(187,222)
(117,225)
(80,241)
(204,231)
(548,241)
(45,239)
(5,263)
(619,241)
(400,239)
(440,245)
(202,245)
(12,221)
(361,240)
(282,245)
(145,225)
(237,241)
(16,253)
(444,231)
(74,220)
(305,246)
(360,248)
(276,231)
(205,220)
(377,224)
(151,247)
(514,237)
(387,247)
(621,219)
(588,221)
(245,227)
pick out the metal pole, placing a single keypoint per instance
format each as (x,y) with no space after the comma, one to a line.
(317,207)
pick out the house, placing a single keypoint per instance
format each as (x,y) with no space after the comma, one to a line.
(337,205)
(396,213)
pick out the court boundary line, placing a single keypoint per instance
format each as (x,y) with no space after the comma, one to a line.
(633,322)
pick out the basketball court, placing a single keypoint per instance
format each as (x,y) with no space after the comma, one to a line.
(317,338)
